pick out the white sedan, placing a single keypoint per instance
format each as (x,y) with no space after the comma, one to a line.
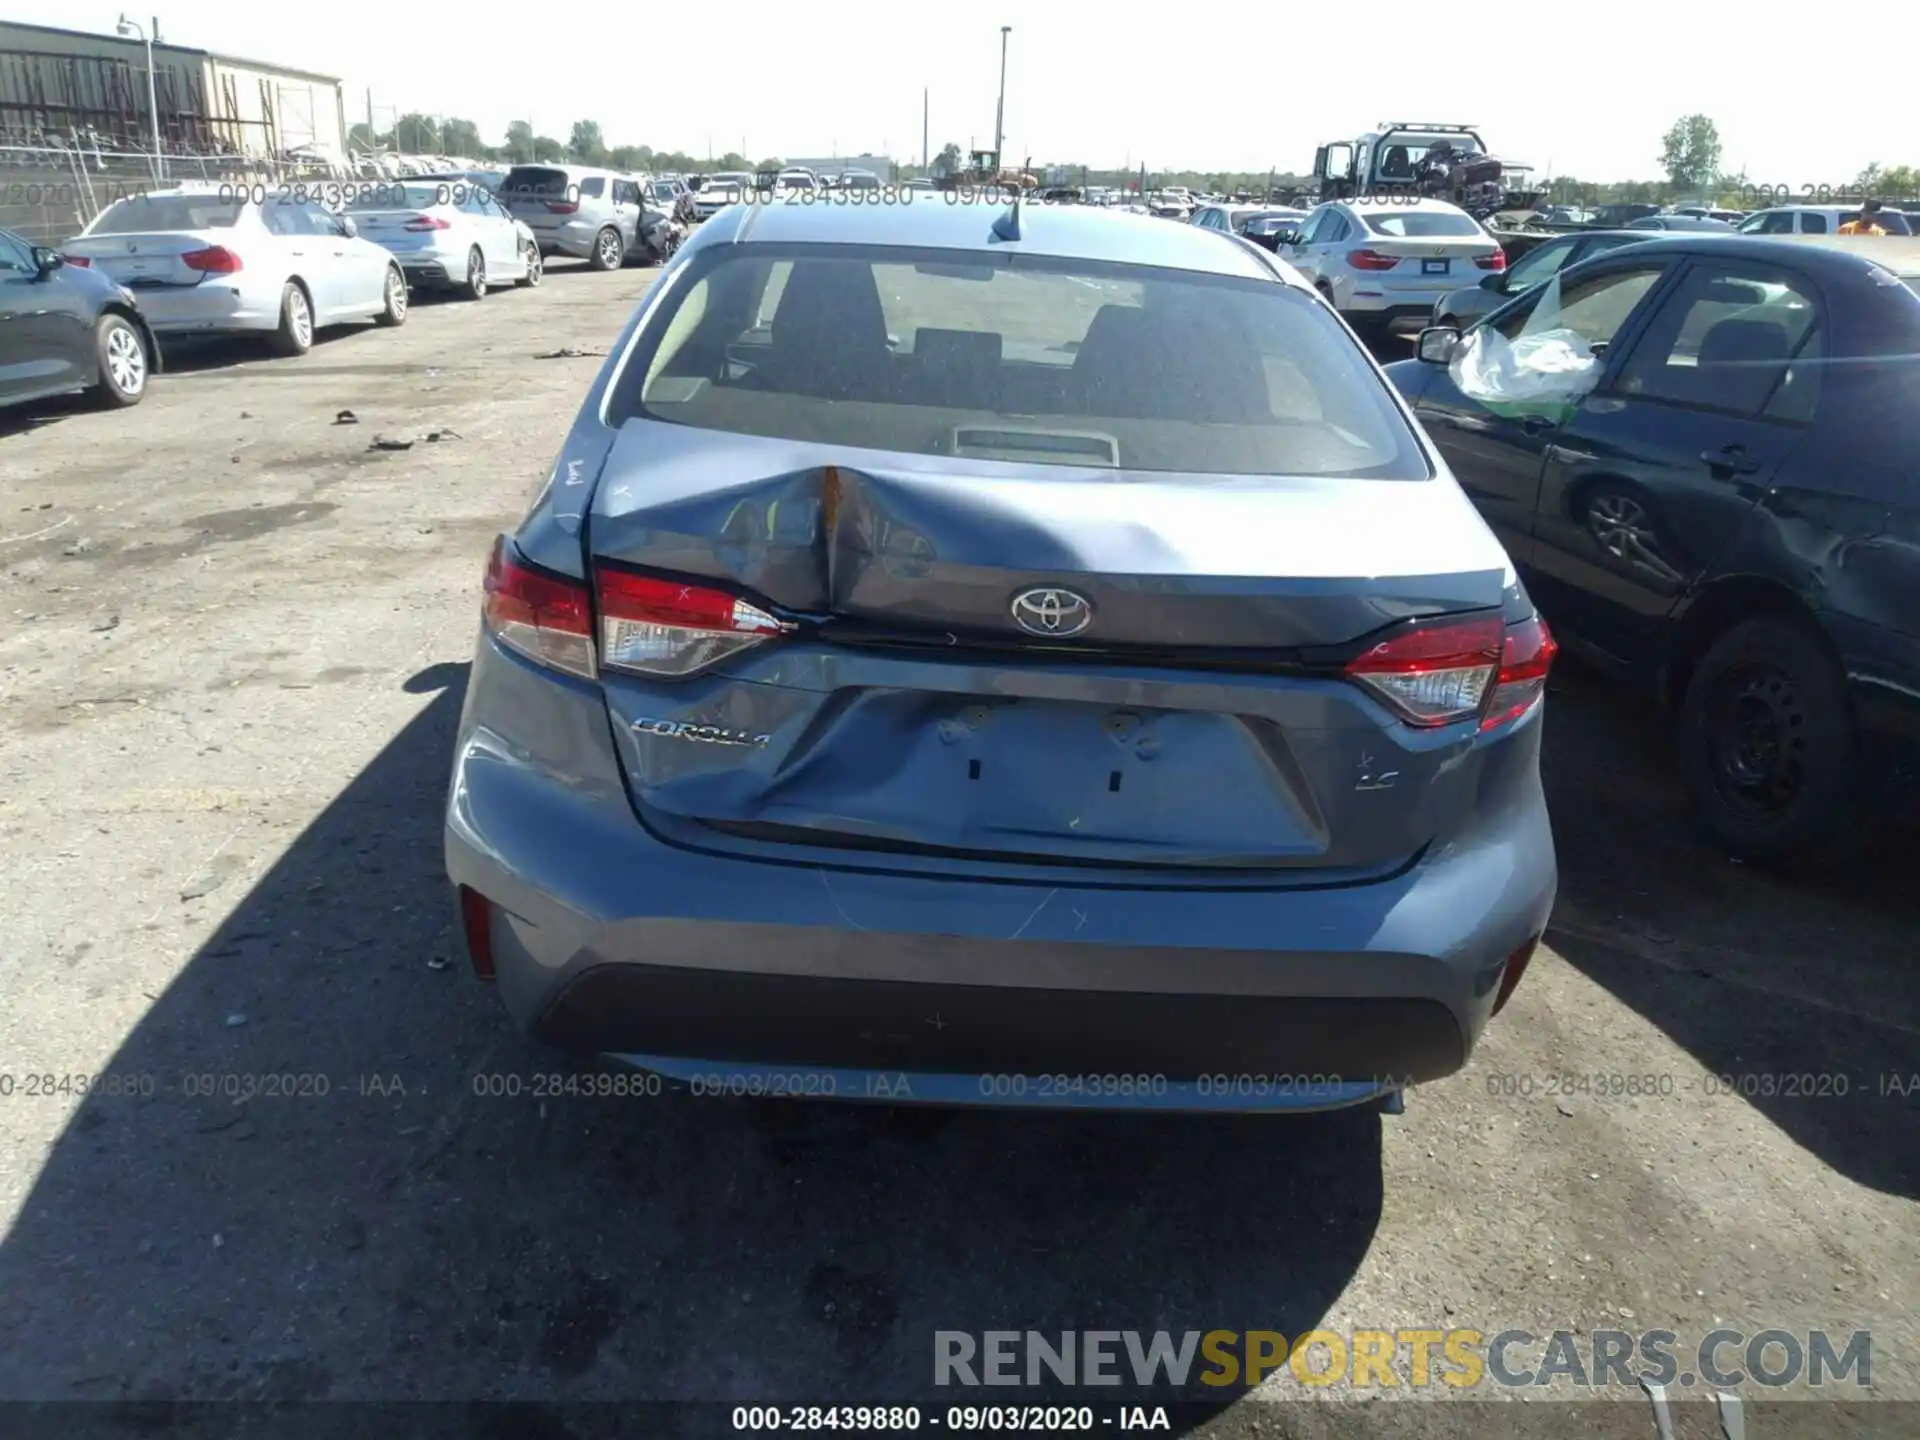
(448,234)
(209,260)
(1386,262)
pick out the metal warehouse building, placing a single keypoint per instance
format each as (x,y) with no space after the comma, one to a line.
(73,89)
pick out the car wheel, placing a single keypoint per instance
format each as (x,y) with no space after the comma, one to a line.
(394,311)
(295,335)
(475,287)
(1766,742)
(1621,525)
(124,362)
(536,266)
(608,251)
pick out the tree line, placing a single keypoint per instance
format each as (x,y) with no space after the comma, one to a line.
(1690,157)
(417,134)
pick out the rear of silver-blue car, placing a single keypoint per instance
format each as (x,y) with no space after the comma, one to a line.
(1091,747)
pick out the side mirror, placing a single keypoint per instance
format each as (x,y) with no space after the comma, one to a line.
(46,261)
(1286,237)
(1438,343)
(347,227)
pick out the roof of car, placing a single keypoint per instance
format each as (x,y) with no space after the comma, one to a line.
(1897,253)
(1083,232)
(1402,202)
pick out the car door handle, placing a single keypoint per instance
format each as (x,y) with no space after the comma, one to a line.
(1729,460)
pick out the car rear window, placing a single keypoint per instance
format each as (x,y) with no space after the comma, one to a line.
(139,213)
(407,197)
(534,180)
(1021,358)
(1419,224)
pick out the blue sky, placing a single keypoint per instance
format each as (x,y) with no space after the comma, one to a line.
(1588,90)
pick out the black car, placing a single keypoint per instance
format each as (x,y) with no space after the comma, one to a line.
(1705,224)
(1535,267)
(68,327)
(1614,217)
(1726,505)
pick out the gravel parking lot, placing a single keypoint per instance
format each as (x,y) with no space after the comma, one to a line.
(233,654)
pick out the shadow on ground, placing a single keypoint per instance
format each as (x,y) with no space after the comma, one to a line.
(1799,990)
(401,1235)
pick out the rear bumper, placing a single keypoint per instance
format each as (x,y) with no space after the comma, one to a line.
(574,238)
(430,268)
(1393,313)
(208,308)
(606,938)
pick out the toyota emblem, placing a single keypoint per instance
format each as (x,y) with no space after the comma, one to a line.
(1054,613)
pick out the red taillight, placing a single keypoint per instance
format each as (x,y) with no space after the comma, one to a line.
(214,260)
(563,207)
(668,628)
(543,617)
(1496,261)
(1525,658)
(1371,260)
(1510,977)
(476,920)
(1436,672)
(81,260)
(419,224)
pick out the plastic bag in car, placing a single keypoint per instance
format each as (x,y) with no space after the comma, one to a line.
(1545,374)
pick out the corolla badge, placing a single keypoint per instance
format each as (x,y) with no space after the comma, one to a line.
(1054,613)
(704,734)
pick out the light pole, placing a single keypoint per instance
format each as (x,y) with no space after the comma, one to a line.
(1000,108)
(133,27)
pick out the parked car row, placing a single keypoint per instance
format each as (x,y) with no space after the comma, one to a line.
(203,260)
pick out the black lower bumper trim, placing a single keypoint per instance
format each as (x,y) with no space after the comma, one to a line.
(975,1030)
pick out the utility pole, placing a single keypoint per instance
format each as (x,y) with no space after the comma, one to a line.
(1000,108)
(128,27)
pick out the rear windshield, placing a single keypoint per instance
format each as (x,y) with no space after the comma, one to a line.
(1018,358)
(1418,224)
(395,196)
(138,213)
(534,180)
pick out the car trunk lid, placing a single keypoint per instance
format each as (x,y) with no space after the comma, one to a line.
(924,700)
(403,230)
(158,258)
(541,197)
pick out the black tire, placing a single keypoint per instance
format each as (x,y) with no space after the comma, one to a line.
(536,266)
(609,252)
(393,310)
(474,287)
(126,362)
(1766,744)
(295,335)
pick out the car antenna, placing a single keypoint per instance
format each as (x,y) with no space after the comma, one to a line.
(1007,227)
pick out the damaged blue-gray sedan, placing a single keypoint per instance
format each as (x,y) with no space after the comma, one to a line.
(1001,656)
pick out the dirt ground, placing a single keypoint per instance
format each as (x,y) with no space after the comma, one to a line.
(232,653)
